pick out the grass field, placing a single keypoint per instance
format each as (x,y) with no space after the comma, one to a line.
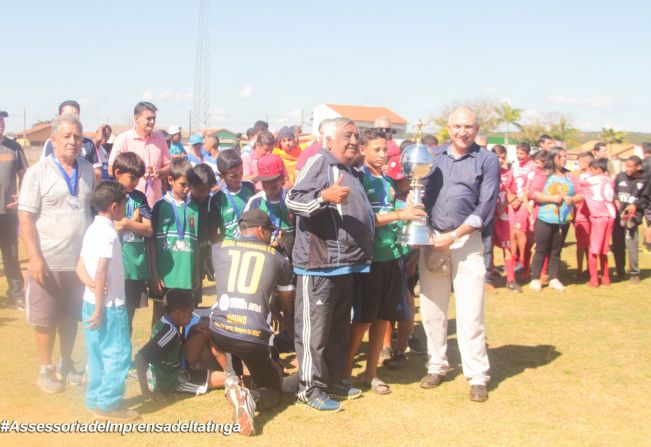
(567,369)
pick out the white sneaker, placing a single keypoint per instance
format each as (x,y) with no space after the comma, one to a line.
(535,286)
(556,285)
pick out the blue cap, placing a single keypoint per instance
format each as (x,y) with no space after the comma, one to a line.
(195,139)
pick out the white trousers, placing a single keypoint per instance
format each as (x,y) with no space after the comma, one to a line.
(463,266)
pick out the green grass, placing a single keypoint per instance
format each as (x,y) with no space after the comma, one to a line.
(567,369)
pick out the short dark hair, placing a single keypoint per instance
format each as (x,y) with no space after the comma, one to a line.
(129,162)
(142,106)
(228,159)
(106,193)
(499,149)
(543,138)
(429,139)
(180,167)
(646,148)
(260,126)
(599,163)
(635,159)
(250,132)
(176,299)
(372,134)
(586,154)
(405,144)
(265,137)
(524,147)
(202,174)
(598,146)
(69,103)
(541,156)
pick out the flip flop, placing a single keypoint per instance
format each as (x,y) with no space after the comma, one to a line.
(378,386)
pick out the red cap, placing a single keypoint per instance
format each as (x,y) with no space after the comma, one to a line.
(394,169)
(392,149)
(270,167)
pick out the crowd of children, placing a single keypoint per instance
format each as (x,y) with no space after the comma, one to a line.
(134,253)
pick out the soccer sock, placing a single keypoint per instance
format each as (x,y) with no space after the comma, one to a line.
(592,267)
(509,266)
(605,276)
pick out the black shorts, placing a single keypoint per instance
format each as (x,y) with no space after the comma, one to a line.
(261,360)
(647,215)
(381,294)
(134,290)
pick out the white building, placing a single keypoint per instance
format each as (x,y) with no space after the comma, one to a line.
(363,116)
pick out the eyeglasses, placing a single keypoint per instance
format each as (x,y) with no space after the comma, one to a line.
(385,129)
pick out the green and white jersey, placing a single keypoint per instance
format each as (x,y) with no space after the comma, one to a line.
(400,205)
(176,227)
(277,211)
(163,353)
(381,192)
(133,245)
(225,210)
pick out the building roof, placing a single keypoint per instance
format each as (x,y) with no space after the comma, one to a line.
(366,113)
(615,149)
(33,130)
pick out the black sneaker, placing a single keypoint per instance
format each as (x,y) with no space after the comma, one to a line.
(416,346)
(17,303)
(398,360)
(69,375)
(385,354)
(514,286)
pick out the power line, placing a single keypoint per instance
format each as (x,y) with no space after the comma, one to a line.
(201,104)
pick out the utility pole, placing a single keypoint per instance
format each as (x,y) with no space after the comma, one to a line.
(201,103)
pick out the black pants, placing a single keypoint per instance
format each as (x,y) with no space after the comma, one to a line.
(625,239)
(549,242)
(263,364)
(322,331)
(9,248)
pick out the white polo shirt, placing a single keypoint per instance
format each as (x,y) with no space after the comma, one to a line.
(102,241)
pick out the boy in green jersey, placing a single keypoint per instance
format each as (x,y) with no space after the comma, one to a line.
(381,294)
(227,204)
(128,168)
(174,254)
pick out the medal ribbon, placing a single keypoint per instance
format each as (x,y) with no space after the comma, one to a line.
(276,221)
(180,224)
(71,181)
(130,207)
(231,201)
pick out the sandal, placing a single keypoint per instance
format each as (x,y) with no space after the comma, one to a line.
(379,387)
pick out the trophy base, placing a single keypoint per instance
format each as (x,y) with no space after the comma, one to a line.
(415,235)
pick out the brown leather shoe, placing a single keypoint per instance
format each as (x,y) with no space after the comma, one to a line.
(478,393)
(430,381)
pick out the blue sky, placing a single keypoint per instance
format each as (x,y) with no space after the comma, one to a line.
(275,59)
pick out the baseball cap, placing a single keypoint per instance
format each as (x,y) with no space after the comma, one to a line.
(394,169)
(195,139)
(255,218)
(3,114)
(173,130)
(270,167)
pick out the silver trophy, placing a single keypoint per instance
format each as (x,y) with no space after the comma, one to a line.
(417,162)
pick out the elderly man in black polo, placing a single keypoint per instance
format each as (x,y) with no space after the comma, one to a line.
(460,197)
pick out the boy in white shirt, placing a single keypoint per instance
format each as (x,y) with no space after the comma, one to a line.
(106,323)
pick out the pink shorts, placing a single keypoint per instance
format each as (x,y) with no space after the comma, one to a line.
(601,228)
(519,218)
(502,233)
(582,232)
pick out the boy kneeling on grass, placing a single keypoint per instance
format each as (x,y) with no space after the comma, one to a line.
(106,330)
(162,355)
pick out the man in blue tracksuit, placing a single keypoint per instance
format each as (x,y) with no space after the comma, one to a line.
(334,239)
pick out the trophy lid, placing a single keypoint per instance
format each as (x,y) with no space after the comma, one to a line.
(417,161)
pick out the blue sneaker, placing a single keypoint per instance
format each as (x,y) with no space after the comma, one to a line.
(322,403)
(344,390)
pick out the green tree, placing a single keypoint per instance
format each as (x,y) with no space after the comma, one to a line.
(484,110)
(563,129)
(508,116)
(610,135)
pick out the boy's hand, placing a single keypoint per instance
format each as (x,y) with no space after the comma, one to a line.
(631,208)
(154,395)
(158,285)
(411,212)
(517,203)
(91,287)
(95,320)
